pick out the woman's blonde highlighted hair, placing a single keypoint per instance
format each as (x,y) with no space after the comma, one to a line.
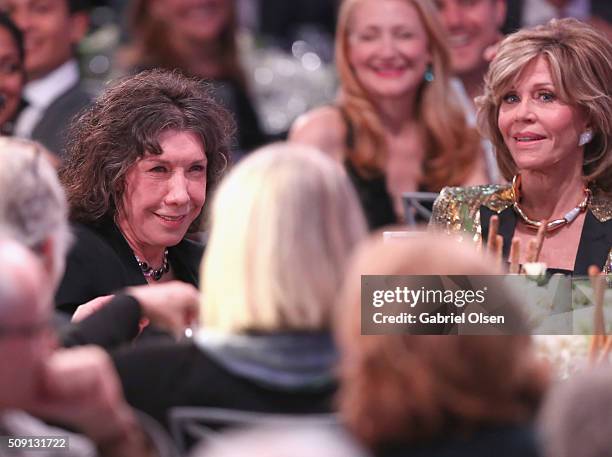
(284,222)
(451,146)
(580,63)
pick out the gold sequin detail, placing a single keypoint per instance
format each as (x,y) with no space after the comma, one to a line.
(601,206)
(457,209)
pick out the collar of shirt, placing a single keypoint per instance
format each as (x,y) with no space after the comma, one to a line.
(42,92)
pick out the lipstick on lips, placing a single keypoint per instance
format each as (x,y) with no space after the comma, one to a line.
(527,138)
(171,220)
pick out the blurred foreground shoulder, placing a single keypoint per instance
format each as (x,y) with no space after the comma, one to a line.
(323,128)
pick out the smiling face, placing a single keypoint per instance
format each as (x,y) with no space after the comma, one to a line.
(50,32)
(388,47)
(539,129)
(11,76)
(164,194)
(472,26)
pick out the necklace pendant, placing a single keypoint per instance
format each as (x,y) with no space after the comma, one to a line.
(554,225)
(572,214)
(154,273)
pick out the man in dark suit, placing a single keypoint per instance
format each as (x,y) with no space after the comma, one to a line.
(54,92)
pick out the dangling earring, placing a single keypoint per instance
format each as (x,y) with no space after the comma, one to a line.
(585,137)
(429,75)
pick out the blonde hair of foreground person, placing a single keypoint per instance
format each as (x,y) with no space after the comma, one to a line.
(580,62)
(284,223)
(414,388)
(451,146)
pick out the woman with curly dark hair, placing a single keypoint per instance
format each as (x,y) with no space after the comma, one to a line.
(140,164)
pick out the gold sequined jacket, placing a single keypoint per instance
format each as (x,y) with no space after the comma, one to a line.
(463,209)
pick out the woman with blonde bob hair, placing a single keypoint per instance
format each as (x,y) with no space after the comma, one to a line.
(396,125)
(284,223)
(274,261)
(546,108)
(420,394)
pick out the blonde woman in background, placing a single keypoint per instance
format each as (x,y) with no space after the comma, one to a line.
(396,126)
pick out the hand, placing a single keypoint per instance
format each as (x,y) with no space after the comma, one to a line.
(80,388)
(171,305)
(87,309)
(491,51)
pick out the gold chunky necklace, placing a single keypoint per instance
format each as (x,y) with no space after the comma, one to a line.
(552,225)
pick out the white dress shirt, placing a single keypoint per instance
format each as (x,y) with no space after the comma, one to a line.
(469,109)
(41,92)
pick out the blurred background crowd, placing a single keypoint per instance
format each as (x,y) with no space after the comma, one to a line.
(269,60)
(191,191)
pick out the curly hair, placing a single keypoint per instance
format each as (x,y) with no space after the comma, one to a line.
(580,62)
(451,145)
(124,124)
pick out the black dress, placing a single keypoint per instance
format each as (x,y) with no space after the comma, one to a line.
(593,248)
(101,262)
(372,192)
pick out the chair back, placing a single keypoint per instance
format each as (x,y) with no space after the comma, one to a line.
(417,206)
(191,425)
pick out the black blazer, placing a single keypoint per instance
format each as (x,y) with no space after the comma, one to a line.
(159,376)
(111,326)
(51,129)
(101,262)
(595,240)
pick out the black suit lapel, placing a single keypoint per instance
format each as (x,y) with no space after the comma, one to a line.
(595,244)
(507,224)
